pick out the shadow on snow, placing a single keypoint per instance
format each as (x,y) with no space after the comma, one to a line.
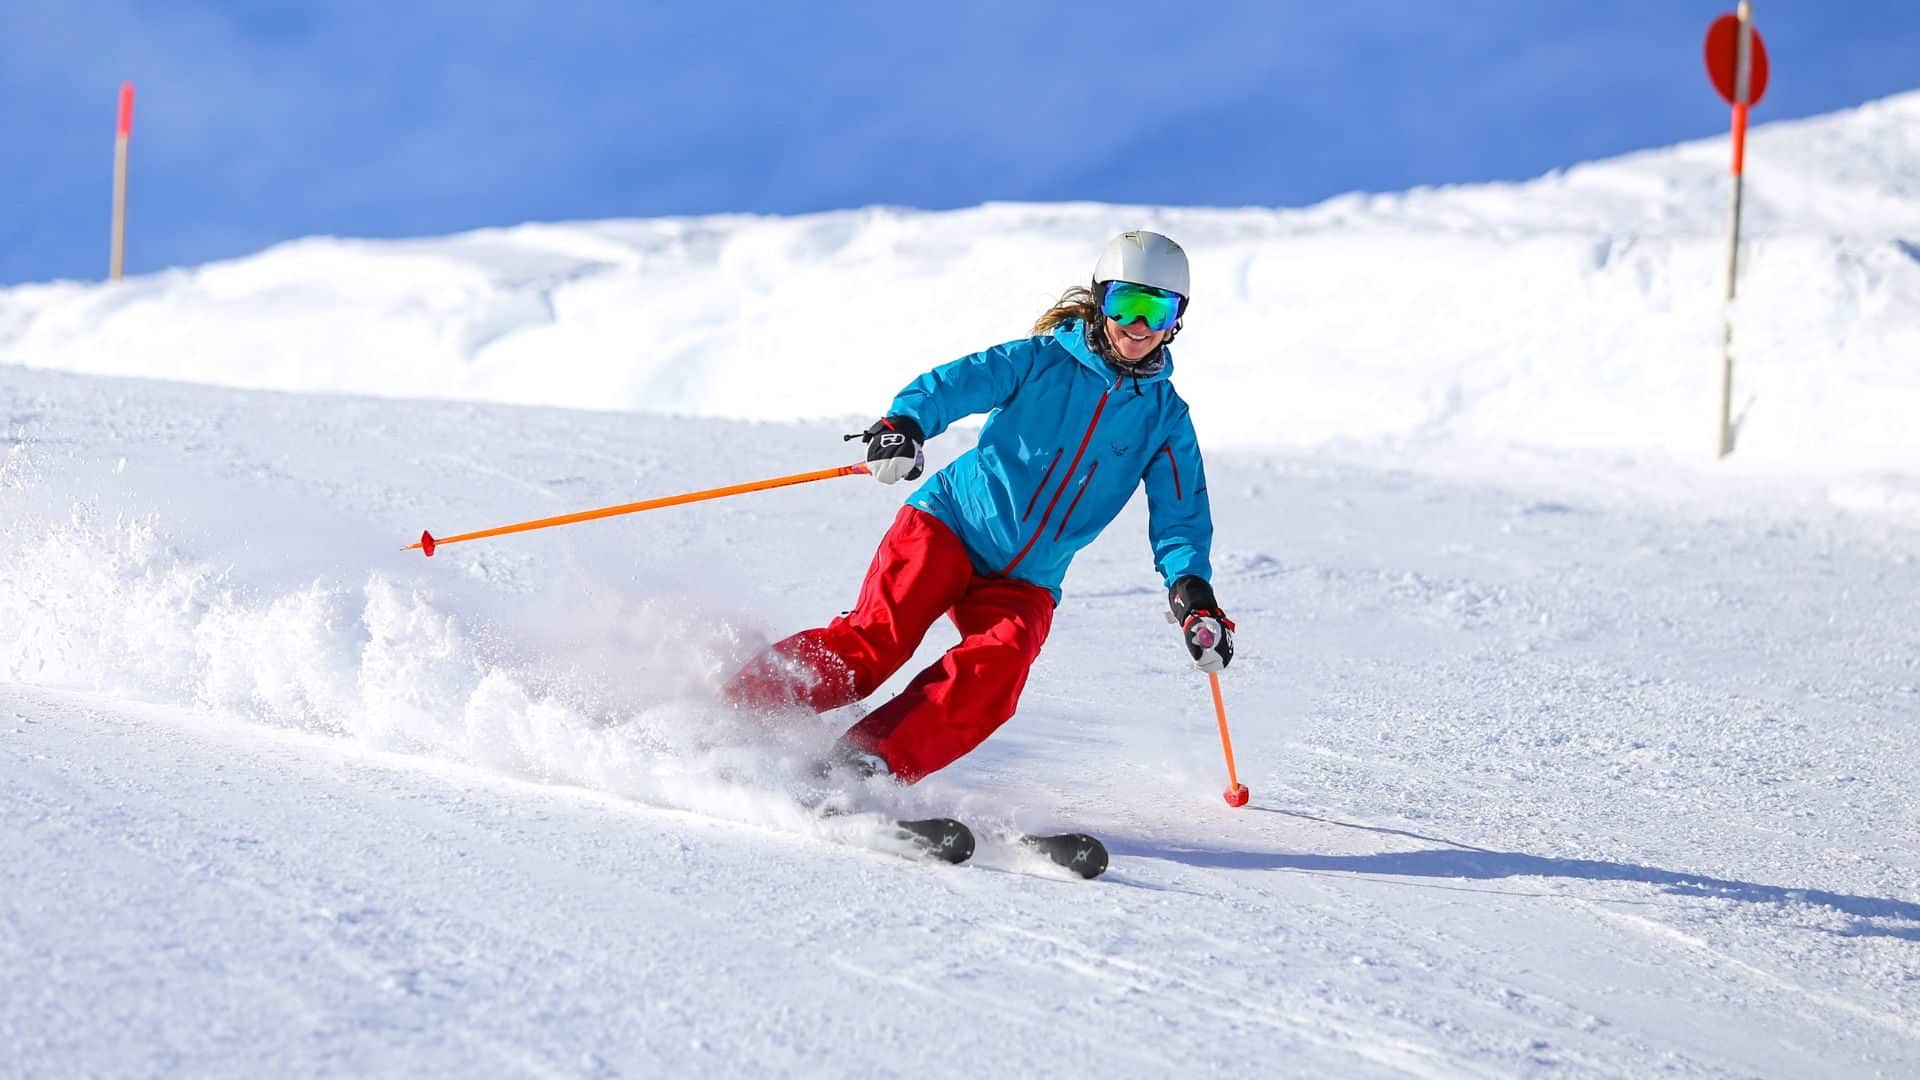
(1461,861)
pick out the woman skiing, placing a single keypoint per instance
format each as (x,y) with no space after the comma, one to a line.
(1078,417)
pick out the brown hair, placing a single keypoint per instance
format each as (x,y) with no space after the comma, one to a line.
(1076,303)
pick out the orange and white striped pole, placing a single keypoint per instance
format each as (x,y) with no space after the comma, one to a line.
(116,262)
(429,543)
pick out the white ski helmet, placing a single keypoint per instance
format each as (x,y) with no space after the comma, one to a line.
(1143,258)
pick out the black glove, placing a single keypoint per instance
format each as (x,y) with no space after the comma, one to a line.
(893,449)
(1208,631)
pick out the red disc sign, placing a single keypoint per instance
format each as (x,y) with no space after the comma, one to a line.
(1723,58)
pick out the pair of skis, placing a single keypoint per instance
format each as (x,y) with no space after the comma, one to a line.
(952,841)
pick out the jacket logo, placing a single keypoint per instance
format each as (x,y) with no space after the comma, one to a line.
(1119,448)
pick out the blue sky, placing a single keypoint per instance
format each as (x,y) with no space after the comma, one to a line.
(262,121)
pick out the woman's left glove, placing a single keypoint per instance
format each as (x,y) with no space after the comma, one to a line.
(1208,631)
(893,449)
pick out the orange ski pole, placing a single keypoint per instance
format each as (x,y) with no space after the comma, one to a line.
(428,542)
(1236,793)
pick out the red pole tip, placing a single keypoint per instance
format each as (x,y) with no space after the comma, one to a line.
(126,109)
(1238,796)
(426,543)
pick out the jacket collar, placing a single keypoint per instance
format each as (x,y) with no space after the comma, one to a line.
(1072,336)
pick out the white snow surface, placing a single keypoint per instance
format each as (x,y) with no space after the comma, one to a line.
(1572,752)
(1583,310)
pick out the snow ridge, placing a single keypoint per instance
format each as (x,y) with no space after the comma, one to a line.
(1581,310)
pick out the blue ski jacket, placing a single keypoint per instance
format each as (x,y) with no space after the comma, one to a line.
(1067,441)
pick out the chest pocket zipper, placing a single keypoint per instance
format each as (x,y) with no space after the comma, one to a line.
(1071,469)
(1085,483)
(1042,485)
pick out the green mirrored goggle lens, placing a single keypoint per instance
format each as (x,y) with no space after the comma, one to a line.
(1125,302)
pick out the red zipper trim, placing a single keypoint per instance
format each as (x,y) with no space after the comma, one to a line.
(1068,516)
(1175,466)
(1064,481)
(1042,485)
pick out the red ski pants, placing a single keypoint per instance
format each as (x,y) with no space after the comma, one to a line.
(920,573)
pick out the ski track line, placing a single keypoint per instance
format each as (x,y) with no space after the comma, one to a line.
(504,476)
(1367,1044)
(400,982)
(1546,1024)
(1612,910)
(329,910)
(297,1000)
(320,921)
(988,1002)
(1895,1023)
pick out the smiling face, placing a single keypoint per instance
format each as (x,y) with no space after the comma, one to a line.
(1133,342)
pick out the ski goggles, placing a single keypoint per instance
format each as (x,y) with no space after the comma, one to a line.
(1124,302)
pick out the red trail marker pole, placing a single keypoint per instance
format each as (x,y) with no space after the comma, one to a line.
(1737,64)
(116,261)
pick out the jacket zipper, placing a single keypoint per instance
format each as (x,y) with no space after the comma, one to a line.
(1175,466)
(1042,485)
(1085,482)
(1064,481)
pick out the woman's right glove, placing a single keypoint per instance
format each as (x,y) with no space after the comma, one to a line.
(893,449)
(1208,631)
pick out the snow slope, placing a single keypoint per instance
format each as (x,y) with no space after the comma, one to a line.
(1580,310)
(1564,758)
